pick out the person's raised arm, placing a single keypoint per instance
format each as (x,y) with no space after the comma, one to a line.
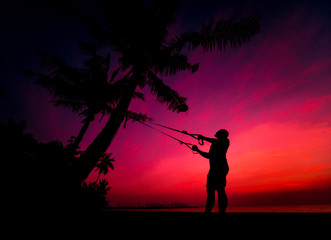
(211,140)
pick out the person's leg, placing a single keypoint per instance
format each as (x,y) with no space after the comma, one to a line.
(210,200)
(222,200)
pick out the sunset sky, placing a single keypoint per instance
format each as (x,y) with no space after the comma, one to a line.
(273,95)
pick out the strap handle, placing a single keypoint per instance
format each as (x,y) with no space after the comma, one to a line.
(200,141)
(196,136)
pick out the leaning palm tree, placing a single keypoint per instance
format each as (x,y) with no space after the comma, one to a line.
(139,35)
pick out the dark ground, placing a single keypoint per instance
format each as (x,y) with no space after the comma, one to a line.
(174,225)
(230,225)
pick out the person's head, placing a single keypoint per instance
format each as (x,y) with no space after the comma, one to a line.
(222,134)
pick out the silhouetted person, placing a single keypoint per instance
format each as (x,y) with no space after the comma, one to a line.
(216,178)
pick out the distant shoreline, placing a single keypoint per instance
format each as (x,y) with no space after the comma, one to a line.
(150,207)
(231,209)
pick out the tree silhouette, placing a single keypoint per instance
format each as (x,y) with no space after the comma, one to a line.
(104,164)
(84,90)
(87,91)
(95,194)
(138,34)
(40,169)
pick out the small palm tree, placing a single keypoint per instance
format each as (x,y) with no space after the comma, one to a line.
(104,164)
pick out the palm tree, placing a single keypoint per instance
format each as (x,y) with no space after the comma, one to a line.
(86,91)
(139,36)
(104,164)
(75,88)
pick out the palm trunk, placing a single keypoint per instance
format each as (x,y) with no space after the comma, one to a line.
(81,135)
(97,178)
(92,154)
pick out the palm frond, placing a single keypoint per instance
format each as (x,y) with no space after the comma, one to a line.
(218,34)
(98,66)
(191,39)
(114,74)
(116,89)
(140,117)
(49,63)
(63,93)
(139,95)
(55,66)
(59,88)
(162,13)
(169,64)
(75,106)
(43,80)
(165,94)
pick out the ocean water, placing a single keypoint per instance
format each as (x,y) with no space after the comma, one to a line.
(266,209)
(290,208)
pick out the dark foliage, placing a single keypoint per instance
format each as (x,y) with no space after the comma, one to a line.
(95,194)
(39,175)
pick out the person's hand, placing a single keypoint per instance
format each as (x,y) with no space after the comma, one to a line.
(195,148)
(200,139)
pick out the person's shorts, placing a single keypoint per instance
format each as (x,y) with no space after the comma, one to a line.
(216,181)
